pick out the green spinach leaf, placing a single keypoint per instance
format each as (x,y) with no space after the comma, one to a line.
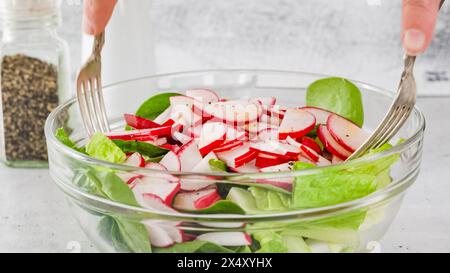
(155,106)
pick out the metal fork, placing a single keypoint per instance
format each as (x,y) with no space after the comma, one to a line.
(89,91)
(399,111)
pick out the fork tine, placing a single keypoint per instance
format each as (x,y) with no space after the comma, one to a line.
(95,103)
(403,117)
(81,96)
(101,102)
(90,105)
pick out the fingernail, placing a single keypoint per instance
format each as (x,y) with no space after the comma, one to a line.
(414,40)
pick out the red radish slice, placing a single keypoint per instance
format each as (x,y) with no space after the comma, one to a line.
(157,187)
(234,112)
(235,134)
(158,142)
(285,167)
(203,95)
(132,135)
(129,178)
(140,123)
(331,144)
(336,160)
(263,160)
(270,121)
(158,236)
(151,201)
(155,166)
(247,168)
(169,122)
(226,238)
(203,166)
(196,200)
(276,111)
(175,233)
(212,136)
(346,133)
(267,101)
(171,161)
(173,148)
(228,146)
(275,148)
(268,134)
(182,100)
(135,160)
(182,138)
(296,123)
(309,153)
(311,143)
(194,131)
(284,183)
(189,156)
(238,157)
(164,116)
(320,114)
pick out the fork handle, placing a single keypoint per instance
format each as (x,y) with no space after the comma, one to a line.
(99,41)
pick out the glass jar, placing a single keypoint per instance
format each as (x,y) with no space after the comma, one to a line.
(34,78)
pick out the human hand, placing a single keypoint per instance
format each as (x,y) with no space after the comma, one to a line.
(96,15)
(419,21)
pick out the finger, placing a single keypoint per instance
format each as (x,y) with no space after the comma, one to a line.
(419,21)
(96,15)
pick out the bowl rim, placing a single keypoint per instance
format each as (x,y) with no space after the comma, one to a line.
(375,197)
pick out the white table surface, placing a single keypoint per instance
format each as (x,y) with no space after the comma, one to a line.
(34,216)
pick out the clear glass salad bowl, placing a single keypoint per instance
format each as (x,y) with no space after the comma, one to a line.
(345,227)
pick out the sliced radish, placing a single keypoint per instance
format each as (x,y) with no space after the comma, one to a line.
(346,133)
(238,157)
(320,114)
(128,178)
(151,201)
(140,123)
(164,116)
(331,144)
(156,187)
(311,143)
(135,160)
(212,136)
(203,166)
(296,123)
(226,238)
(203,95)
(263,160)
(309,153)
(266,101)
(285,167)
(155,166)
(275,148)
(182,138)
(171,161)
(194,131)
(158,235)
(227,146)
(141,135)
(247,168)
(276,111)
(336,160)
(189,156)
(234,112)
(158,142)
(268,134)
(189,201)
(270,121)
(182,100)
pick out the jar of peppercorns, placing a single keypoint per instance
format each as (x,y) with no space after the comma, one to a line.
(34,78)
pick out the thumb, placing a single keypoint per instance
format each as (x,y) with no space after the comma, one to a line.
(419,20)
(96,14)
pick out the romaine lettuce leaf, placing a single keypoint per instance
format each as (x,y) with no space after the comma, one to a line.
(101,147)
(269,242)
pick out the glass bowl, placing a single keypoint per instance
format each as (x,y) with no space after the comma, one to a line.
(352,226)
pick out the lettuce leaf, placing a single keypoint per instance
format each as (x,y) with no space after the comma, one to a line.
(269,242)
(63,136)
(101,147)
(194,247)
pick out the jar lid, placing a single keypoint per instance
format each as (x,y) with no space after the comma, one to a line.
(29,9)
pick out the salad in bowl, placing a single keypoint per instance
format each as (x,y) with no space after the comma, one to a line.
(195,170)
